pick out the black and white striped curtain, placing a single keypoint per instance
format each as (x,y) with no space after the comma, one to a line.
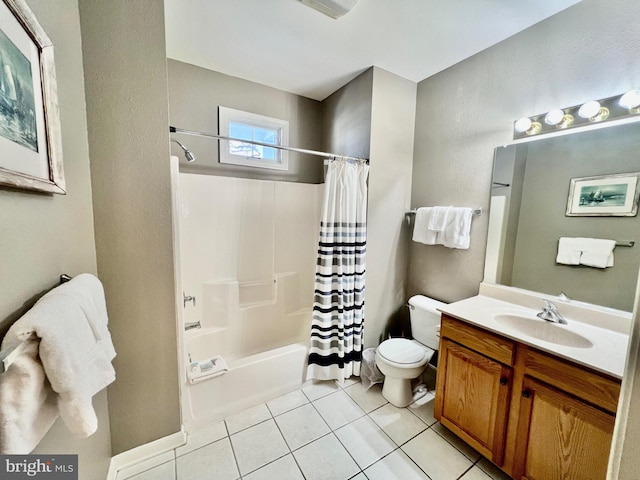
(338,307)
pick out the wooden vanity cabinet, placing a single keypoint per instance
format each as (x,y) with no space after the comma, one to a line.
(536,416)
(474,386)
(565,420)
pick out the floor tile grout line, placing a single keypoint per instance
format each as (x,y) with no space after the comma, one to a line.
(454,446)
(268,463)
(235,458)
(465,472)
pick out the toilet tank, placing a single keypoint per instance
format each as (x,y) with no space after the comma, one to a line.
(425,320)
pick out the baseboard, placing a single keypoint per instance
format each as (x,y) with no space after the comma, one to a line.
(145,452)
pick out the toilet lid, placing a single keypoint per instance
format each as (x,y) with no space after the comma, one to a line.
(401,350)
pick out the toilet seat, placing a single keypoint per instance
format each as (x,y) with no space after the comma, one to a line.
(402,352)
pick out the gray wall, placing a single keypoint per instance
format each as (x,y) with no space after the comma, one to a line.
(464,112)
(194,96)
(468,109)
(373,116)
(127,112)
(393,116)
(346,117)
(551,164)
(43,236)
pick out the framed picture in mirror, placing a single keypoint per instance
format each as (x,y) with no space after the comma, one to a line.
(604,195)
(30,136)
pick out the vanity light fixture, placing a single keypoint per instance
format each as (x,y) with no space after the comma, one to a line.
(617,108)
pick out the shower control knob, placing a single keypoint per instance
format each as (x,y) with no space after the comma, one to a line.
(188,298)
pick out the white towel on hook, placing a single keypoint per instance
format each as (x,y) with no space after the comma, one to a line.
(75,348)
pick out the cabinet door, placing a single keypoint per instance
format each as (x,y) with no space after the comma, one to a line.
(560,436)
(472,398)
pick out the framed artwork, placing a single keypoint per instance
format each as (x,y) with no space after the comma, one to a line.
(30,136)
(604,195)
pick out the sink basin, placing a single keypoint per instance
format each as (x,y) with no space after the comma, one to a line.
(543,330)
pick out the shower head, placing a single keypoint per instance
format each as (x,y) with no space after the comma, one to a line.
(188,154)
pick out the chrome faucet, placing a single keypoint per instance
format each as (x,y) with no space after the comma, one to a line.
(188,298)
(551,314)
(192,325)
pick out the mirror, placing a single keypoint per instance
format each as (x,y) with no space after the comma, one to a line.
(531,184)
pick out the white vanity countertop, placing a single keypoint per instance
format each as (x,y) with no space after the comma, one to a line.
(607,352)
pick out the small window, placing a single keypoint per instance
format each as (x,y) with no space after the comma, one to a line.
(256,128)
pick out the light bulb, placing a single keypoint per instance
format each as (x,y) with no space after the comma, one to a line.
(630,99)
(589,110)
(522,125)
(554,117)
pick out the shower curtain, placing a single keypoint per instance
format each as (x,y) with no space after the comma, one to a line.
(338,307)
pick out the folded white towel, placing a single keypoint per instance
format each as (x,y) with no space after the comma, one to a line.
(75,348)
(569,251)
(438,218)
(455,232)
(421,232)
(597,252)
(592,252)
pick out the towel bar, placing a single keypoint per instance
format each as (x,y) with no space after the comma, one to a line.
(8,356)
(476,211)
(625,243)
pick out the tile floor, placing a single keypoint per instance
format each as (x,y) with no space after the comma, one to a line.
(322,432)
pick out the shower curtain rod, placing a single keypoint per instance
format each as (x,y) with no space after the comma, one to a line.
(280,147)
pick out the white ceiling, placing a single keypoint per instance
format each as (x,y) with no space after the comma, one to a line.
(287,45)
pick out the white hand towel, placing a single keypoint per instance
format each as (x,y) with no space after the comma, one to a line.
(457,232)
(27,403)
(569,251)
(438,218)
(597,252)
(421,232)
(75,348)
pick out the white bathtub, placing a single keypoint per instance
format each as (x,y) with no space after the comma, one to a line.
(251,379)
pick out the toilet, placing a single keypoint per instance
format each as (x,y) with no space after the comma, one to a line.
(402,360)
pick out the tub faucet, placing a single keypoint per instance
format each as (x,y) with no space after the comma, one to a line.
(188,298)
(551,314)
(192,325)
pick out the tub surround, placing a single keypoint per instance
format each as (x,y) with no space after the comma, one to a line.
(607,329)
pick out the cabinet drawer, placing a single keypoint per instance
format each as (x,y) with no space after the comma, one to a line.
(493,346)
(595,388)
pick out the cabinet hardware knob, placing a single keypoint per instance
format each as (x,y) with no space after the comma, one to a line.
(504,381)
(526,393)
